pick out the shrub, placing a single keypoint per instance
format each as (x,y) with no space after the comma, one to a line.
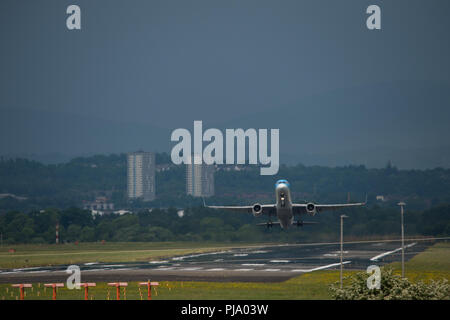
(393,287)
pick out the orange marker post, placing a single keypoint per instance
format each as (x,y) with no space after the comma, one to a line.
(149,287)
(86,286)
(54,286)
(118,285)
(21,287)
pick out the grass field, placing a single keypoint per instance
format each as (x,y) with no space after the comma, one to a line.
(433,263)
(308,286)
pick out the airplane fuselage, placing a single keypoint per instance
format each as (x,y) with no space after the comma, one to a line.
(284,203)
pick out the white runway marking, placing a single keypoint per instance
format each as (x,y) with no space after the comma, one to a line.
(158,262)
(334,253)
(114,265)
(164,268)
(253,264)
(240,254)
(90,263)
(27,269)
(243,270)
(259,251)
(391,252)
(377,244)
(280,261)
(215,269)
(93,270)
(191,269)
(198,255)
(320,268)
(271,270)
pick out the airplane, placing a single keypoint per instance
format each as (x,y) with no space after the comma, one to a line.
(284,209)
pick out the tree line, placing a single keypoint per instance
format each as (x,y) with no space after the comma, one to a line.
(68,184)
(202,224)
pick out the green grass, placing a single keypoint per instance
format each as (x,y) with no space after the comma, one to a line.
(308,286)
(433,263)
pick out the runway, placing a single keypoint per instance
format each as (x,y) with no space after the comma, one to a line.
(272,263)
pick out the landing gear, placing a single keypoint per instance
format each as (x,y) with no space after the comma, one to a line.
(269,223)
(299,223)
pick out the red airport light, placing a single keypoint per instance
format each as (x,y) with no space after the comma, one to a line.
(118,285)
(86,286)
(21,286)
(54,286)
(149,287)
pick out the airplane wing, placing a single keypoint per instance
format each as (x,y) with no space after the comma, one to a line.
(268,209)
(300,208)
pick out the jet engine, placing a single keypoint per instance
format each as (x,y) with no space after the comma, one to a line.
(311,209)
(257,210)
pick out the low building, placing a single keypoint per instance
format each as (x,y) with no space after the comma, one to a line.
(99,204)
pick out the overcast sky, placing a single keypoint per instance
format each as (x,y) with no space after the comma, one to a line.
(166,63)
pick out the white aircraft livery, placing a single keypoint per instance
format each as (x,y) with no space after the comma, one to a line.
(284,209)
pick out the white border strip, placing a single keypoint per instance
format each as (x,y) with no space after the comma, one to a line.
(391,252)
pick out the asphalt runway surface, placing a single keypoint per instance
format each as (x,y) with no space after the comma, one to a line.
(253,264)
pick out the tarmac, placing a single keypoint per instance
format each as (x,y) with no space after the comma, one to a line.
(253,264)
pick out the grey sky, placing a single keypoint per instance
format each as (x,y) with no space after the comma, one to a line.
(167,63)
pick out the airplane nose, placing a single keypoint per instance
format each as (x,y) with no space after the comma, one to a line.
(282,187)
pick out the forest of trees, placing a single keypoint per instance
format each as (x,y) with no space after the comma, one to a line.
(201,224)
(54,193)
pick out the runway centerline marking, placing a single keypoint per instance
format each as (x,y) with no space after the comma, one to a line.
(243,270)
(215,269)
